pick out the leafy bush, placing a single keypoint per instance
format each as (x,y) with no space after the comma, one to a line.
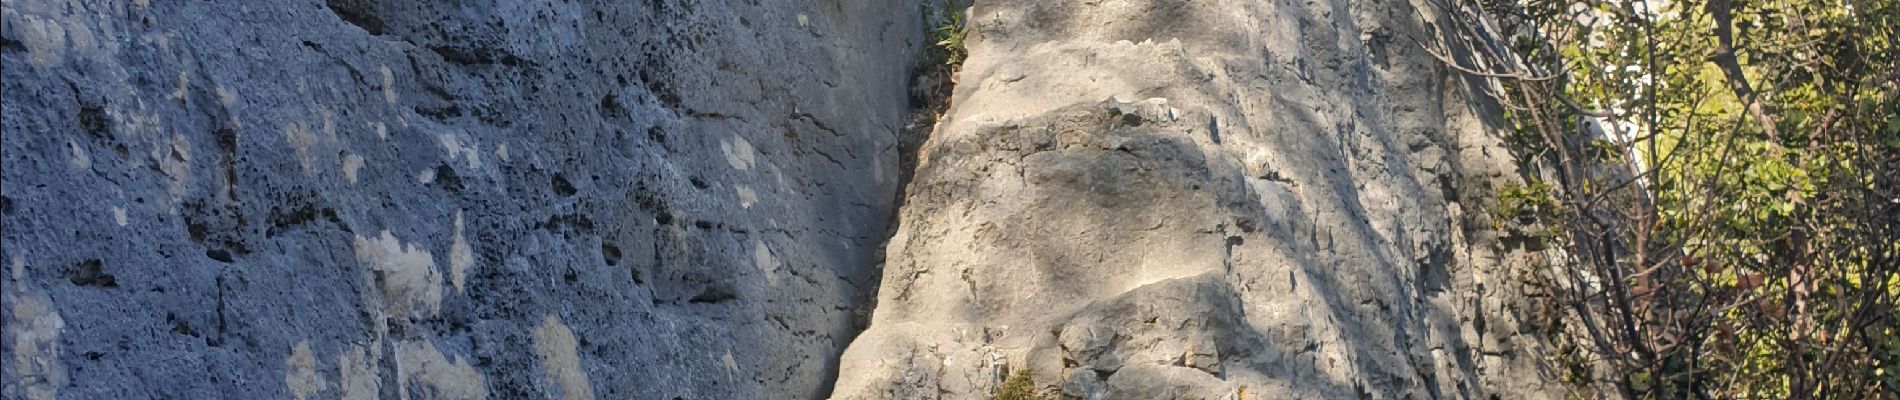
(1751,248)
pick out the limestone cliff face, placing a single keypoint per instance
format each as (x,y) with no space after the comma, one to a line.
(358,199)
(1203,199)
(691,199)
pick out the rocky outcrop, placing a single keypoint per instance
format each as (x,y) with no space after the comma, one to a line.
(689,199)
(666,199)
(1205,200)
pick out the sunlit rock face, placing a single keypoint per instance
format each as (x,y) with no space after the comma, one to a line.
(693,199)
(414,199)
(1203,199)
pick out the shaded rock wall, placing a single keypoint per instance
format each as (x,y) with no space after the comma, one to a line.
(1205,199)
(433,199)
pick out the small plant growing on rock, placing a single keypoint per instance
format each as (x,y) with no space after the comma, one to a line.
(1019,386)
(949,36)
(937,65)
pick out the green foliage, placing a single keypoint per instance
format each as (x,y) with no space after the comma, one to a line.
(949,36)
(1760,248)
(1526,203)
(1604,151)
(1019,386)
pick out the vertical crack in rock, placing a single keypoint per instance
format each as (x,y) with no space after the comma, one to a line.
(1125,206)
(703,199)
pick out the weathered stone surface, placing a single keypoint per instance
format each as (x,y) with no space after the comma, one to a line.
(443,199)
(1203,200)
(690,199)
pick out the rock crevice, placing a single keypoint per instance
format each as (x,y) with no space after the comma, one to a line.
(1128,206)
(692,199)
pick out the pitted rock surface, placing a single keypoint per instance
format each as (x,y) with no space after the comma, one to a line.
(693,199)
(430,199)
(1203,200)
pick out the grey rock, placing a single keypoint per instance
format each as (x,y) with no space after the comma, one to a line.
(688,199)
(1275,200)
(426,199)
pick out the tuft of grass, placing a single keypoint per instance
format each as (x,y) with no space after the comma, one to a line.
(1019,386)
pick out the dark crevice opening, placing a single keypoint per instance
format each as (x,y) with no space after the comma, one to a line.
(929,88)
